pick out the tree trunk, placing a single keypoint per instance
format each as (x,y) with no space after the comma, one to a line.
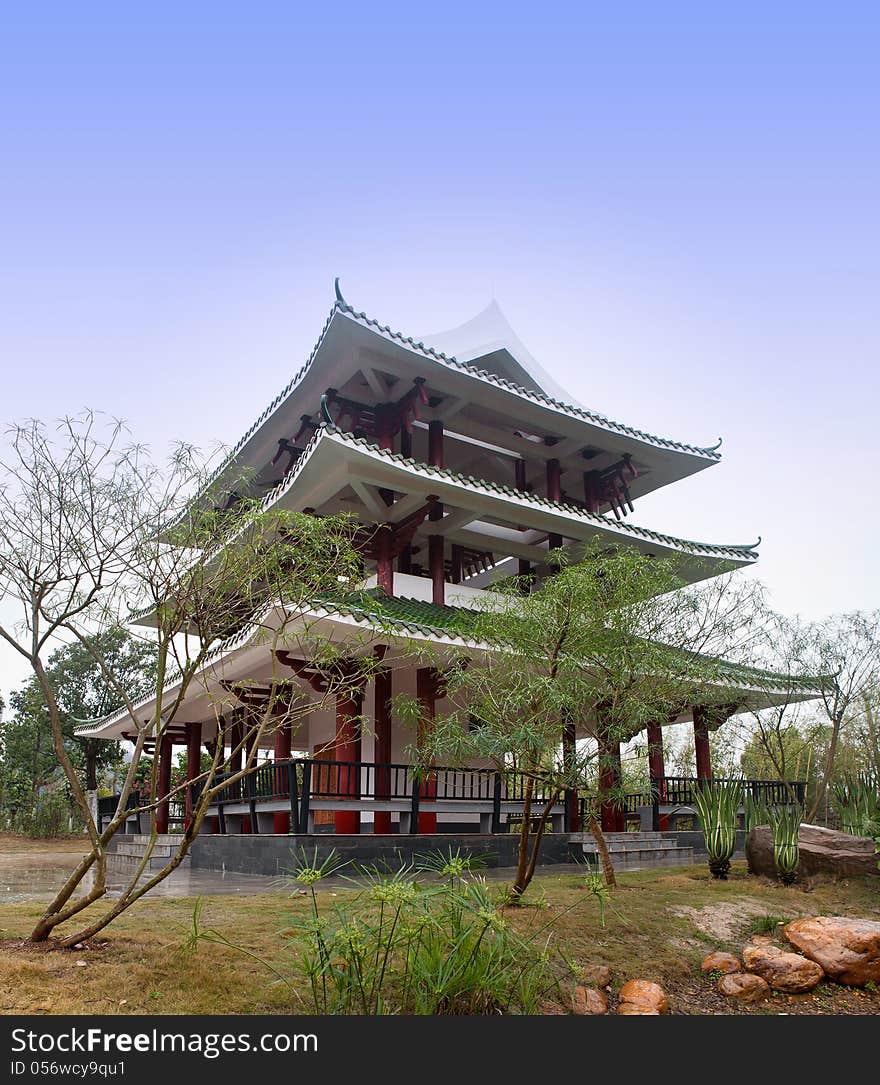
(829,767)
(602,848)
(522,864)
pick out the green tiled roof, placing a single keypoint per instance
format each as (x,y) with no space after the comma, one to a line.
(417,617)
(735,552)
(402,612)
(593,417)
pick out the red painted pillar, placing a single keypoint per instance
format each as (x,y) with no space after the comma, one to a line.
(609,782)
(437,568)
(657,766)
(250,743)
(435,444)
(382,747)
(569,755)
(281,751)
(436,559)
(163,783)
(426,691)
(384,560)
(457,564)
(554,493)
(347,750)
(701,743)
(193,763)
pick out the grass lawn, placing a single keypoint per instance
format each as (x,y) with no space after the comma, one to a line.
(659,927)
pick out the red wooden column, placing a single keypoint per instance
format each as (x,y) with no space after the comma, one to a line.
(384,560)
(163,783)
(524,565)
(426,691)
(281,751)
(554,493)
(250,742)
(657,766)
(436,563)
(701,742)
(382,747)
(457,564)
(236,753)
(609,781)
(347,749)
(569,754)
(193,764)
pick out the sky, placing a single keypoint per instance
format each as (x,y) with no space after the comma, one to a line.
(675,205)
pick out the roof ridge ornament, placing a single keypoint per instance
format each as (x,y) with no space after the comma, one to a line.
(711,448)
(339,298)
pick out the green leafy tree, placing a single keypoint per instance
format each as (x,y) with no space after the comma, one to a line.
(82,693)
(607,641)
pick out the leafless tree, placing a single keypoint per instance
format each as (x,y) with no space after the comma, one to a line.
(92,530)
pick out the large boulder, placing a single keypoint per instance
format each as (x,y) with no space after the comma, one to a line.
(848,949)
(822,851)
(783,971)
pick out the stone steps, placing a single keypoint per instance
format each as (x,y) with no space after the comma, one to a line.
(127,852)
(637,851)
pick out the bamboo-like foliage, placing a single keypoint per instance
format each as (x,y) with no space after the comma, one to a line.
(857,800)
(718,805)
(785,822)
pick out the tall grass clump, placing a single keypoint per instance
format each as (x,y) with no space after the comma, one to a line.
(718,805)
(397,945)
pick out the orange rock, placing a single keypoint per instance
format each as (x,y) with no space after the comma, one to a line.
(650,997)
(847,949)
(743,986)
(631,1009)
(589,1001)
(783,971)
(721,962)
(598,975)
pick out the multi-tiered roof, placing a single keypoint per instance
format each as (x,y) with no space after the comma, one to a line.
(354,423)
(462,446)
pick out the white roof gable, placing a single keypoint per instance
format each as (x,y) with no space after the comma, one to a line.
(488,340)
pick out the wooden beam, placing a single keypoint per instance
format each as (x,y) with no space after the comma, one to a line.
(377,508)
(376,385)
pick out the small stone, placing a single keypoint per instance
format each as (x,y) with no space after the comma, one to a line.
(82,964)
(649,996)
(788,972)
(598,975)
(743,986)
(847,949)
(590,1001)
(78,946)
(721,962)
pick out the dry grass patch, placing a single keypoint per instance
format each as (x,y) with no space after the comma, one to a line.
(655,928)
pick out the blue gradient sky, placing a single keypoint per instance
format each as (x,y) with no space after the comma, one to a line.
(676,205)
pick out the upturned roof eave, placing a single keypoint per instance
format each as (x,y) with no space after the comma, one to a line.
(699,456)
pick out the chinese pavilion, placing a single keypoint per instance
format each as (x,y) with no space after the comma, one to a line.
(478,464)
